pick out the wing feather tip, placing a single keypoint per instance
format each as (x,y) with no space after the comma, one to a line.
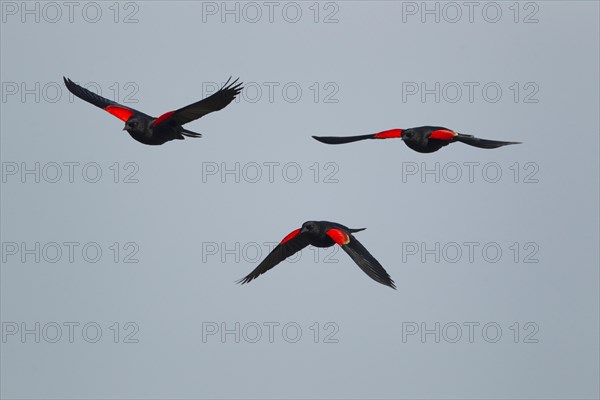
(233,86)
(391,284)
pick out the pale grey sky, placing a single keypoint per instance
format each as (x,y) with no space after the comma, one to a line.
(517,258)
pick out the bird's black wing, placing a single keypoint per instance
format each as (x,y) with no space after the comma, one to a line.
(361,256)
(114,108)
(293,243)
(482,143)
(342,139)
(214,102)
(389,134)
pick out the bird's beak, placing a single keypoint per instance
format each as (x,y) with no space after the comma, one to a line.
(125,128)
(303,230)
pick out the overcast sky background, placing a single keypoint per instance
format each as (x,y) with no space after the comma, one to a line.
(178,214)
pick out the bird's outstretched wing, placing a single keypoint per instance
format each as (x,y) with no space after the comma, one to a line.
(290,245)
(214,102)
(114,108)
(389,134)
(361,256)
(482,143)
(446,135)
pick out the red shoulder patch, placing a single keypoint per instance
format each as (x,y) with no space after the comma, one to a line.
(392,133)
(290,236)
(338,236)
(163,117)
(442,134)
(120,112)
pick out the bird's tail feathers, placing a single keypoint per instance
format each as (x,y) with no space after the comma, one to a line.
(191,134)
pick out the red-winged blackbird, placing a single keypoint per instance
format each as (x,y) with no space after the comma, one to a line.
(323,234)
(154,131)
(424,139)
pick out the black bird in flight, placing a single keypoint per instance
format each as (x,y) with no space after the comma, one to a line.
(424,139)
(155,131)
(323,234)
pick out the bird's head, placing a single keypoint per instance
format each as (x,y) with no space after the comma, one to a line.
(134,125)
(409,135)
(310,227)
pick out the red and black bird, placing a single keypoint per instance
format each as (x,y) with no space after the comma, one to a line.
(169,126)
(323,234)
(424,139)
